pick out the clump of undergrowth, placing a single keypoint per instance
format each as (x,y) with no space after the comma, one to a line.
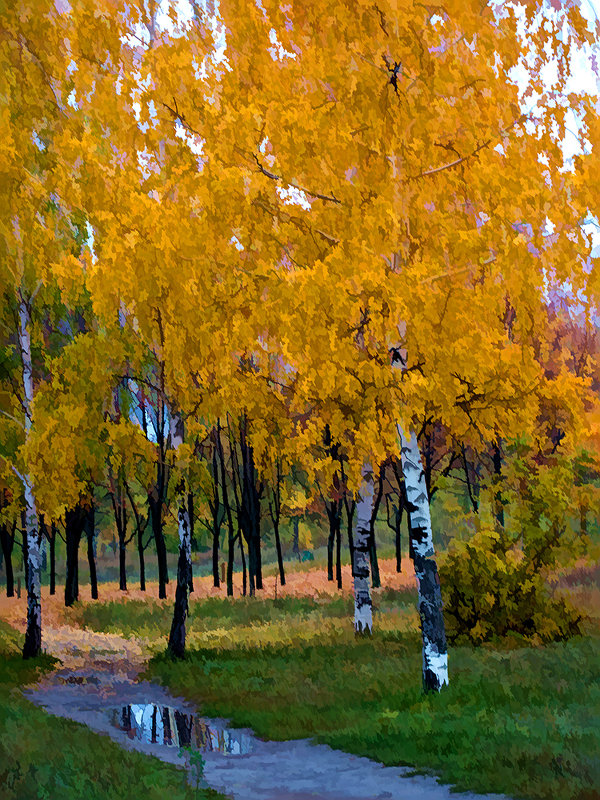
(493,589)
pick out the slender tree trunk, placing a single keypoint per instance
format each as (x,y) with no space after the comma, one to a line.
(250,510)
(122,562)
(350,509)
(140,547)
(52,544)
(330,540)
(190,540)
(435,652)
(398,541)
(372,543)
(159,541)
(279,554)
(73,531)
(395,525)
(24,547)
(499,507)
(363,606)
(90,524)
(215,521)
(338,555)
(228,514)
(7,543)
(244,581)
(33,633)
(176,646)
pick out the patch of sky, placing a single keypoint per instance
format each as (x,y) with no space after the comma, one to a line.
(90,240)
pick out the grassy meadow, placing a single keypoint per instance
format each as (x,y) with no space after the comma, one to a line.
(522,720)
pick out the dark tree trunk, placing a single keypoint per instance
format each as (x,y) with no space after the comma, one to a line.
(52,544)
(338,556)
(216,521)
(122,562)
(228,514)
(350,508)
(330,546)
(24,550)
(159,541)
(372,543)
(192,542)
(334,515)
(140,547)
(279,554)
(89,525)
(7,543)
(176,646)
(244,580)
(499,507)
(73,531)
(250,510)
(275,512)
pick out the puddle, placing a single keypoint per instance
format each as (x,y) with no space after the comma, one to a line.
(165,726)
(146,717)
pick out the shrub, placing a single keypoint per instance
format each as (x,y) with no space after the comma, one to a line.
(493,587)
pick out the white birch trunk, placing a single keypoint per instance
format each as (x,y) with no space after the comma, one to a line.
(435,652)
(363,607)
(33,634)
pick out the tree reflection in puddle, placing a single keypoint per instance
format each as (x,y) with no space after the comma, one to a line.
(168,727)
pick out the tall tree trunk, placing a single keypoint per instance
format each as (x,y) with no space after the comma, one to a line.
(7,543)
(350,509)
(244,580)
(250,509)
(122,562)
(89,527)
(24,546)
(363,606)
(159,541)
(52,543)
(338,556)
(190,509)
(435,652)
(216,524)
(33,633)
(331,538)
(395,524)
(176,646)
(499,507)
(228,514)
(140,547)
(372,543)
(279,554)
(73,531)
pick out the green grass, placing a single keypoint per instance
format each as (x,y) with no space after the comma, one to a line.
(523,721)
(47,758)
(134,617)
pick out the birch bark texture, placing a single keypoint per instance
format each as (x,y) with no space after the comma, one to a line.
(33,634)
(363,606)
(435,650)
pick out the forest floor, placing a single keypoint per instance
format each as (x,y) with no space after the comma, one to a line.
(518,719)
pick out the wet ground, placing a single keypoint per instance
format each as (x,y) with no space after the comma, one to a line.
(145,717)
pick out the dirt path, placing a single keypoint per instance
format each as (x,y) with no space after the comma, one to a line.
(145,717)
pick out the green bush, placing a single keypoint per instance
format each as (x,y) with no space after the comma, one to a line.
(493,588)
